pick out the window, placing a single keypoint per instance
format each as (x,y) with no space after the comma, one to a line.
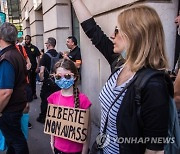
(75,26)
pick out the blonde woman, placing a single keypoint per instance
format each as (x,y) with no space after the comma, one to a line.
(140,34)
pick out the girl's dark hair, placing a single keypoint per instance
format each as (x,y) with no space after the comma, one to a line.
(69,65)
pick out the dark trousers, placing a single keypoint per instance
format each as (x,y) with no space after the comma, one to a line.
(47,89)
(45,93)
(10,125)
(32,77)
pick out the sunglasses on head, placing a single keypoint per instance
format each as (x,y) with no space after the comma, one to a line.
(116,31)
(66,76)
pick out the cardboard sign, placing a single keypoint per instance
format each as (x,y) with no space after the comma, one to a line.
(68,123)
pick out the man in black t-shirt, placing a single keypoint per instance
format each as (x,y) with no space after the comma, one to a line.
(48,86)
(74,54)
(34,56)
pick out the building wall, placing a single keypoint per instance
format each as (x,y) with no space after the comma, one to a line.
(57,22)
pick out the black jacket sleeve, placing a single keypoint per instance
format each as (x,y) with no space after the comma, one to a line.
(155,112)
(99,39)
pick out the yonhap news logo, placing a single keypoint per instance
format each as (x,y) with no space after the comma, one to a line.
(102,140)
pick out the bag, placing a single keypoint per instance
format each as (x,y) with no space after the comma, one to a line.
(54,60)
(95,149)
(51,85)
(24,127)
(24,124)
(173,128)
(173,131)
(2,142)
(50,80)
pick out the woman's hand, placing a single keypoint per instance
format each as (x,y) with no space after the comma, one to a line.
(177,20)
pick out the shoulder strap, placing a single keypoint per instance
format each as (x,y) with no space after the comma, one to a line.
(58,55)
(120,93)
(21,49)
(143,76)
(49,55)
(114,71)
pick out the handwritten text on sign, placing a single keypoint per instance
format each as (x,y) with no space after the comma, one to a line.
(66,122)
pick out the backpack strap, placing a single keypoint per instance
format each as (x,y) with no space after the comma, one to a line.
(114,71)
(49,55)
(144,76)
(57,56)
(21,49)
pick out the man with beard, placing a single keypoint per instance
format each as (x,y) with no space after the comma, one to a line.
(34,56)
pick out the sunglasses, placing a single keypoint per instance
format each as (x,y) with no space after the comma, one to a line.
(66,76)
(116,31)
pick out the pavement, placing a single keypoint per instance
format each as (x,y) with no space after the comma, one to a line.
(38,142)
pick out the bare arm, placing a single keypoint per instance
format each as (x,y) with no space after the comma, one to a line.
(41,74)
(5,95)
(28,65)
(38,62)
(81,10)
(153,152)
(86,144)
(177,90)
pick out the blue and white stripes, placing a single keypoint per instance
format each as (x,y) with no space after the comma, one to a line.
(107,97)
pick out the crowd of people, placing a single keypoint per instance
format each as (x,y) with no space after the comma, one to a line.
(59,73)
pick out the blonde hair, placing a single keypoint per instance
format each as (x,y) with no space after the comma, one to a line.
(143,28)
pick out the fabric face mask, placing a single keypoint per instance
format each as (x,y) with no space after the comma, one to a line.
(123,53)
(64,83)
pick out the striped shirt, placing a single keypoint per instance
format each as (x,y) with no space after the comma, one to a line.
(107,96)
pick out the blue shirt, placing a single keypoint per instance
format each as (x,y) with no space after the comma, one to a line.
(7,75)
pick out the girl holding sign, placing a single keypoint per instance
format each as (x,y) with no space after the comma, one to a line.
(69,96)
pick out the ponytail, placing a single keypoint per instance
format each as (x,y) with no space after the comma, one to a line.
(76,96)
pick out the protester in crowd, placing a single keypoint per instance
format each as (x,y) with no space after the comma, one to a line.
(12,90)
(22,50)
(177,81)
(69,96)
(34,56)
(45,70)
(75,53)
(149,52)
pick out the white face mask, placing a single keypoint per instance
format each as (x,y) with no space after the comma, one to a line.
(123,53)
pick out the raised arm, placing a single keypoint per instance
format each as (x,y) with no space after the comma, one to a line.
(93,31)
(81,10)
